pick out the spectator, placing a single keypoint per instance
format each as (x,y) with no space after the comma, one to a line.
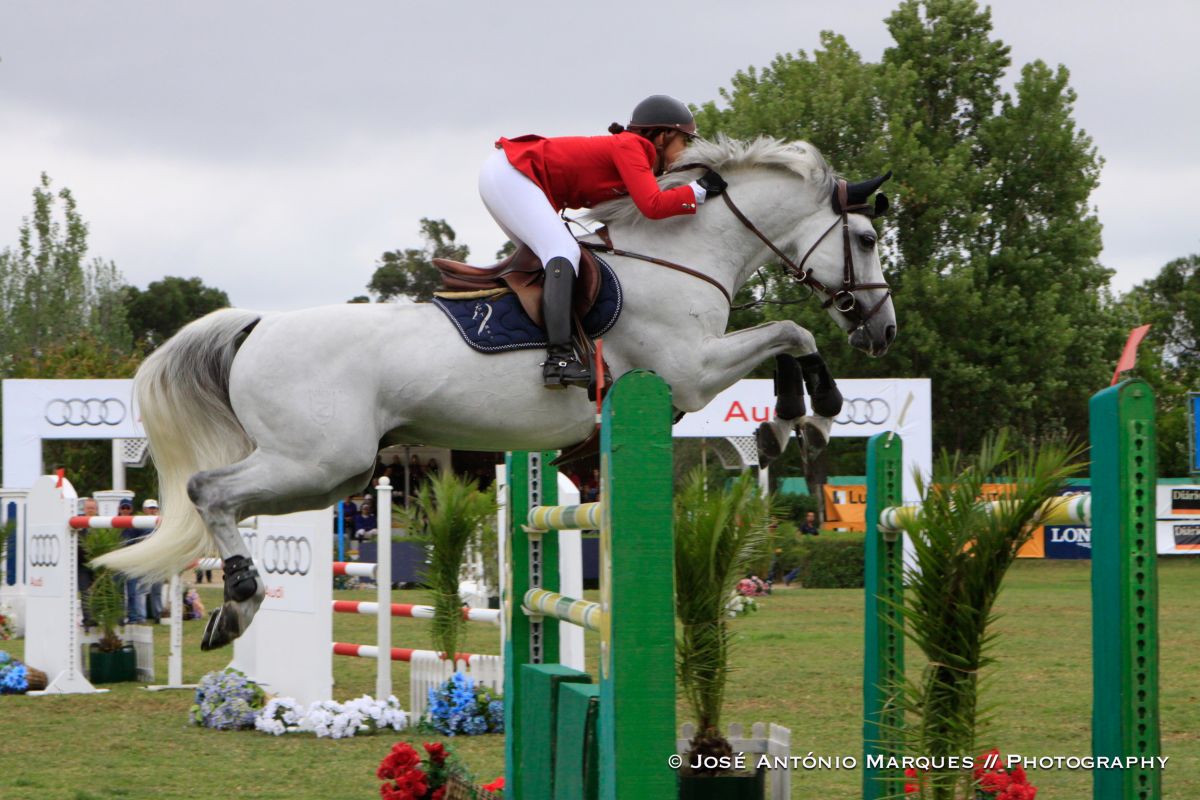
(773,572)
(810,527)
(84,575)
(415,473)
(365,522)
(135,590)
(589,492)
(155,593)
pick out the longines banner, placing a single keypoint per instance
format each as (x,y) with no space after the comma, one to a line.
(40,409)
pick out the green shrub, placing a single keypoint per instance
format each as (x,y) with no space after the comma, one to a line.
(793,506)
(830,561)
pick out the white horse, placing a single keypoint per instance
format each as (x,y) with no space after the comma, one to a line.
(254,413)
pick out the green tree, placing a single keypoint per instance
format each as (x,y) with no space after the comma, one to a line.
(410,273)
(992,246)
(63,318)
(1169,358)
(166,305)
(49,291)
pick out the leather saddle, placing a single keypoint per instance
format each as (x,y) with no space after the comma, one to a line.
(522,274)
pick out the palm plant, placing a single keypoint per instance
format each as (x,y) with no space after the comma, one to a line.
(447,513)
(719,535)
(106,597)
(963,548)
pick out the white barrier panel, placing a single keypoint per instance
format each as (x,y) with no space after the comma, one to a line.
(286,648)
(52,605)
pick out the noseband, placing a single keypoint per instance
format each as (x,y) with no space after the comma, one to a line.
(842,298)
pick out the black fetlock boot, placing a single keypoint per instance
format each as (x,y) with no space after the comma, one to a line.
(826,398)
(561,367)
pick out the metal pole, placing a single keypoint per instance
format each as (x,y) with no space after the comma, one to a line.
(118,465)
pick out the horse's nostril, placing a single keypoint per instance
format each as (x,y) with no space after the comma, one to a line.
(889,334)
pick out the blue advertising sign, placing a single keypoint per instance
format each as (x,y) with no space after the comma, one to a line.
(1068,541)
(1194,430)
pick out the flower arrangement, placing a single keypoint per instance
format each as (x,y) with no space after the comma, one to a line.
(226,700)
(753,586)
(13,675)
(739,605)
(991,783)
(437,776)
(6,624)
(360,717)
(999,783)
(459,706)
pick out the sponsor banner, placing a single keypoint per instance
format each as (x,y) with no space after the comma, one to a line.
(845,507)
(870,405)
(1067,541)
(1178,501)
(1178,537)
(61,409)
(283,550)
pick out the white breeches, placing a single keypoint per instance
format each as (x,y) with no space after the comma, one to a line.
(522,211)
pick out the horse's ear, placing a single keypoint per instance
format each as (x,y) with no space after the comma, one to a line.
(857,193)
(881,204)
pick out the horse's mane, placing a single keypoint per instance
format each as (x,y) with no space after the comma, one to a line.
(727,155)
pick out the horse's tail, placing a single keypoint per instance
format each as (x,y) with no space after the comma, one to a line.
(182,391)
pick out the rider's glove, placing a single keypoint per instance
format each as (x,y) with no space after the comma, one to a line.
(712,183)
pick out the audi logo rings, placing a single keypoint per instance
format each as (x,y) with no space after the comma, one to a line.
(286,555)
(79,411)
(45,550)
(864,411)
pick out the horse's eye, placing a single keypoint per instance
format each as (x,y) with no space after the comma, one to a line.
(867,240)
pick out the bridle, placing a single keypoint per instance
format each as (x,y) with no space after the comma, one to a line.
(842,298)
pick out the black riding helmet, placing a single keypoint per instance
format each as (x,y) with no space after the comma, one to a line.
(662,111)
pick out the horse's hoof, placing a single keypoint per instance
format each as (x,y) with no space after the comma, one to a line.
(813,439)
(768,445)
(222,628)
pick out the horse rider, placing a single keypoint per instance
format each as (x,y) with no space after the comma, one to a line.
(530,180)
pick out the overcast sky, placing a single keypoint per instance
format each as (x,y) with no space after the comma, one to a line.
(276,149)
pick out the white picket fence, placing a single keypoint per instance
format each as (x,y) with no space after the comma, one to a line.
(774,741)
(427,671)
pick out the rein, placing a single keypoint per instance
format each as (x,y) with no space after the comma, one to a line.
(662,262)
(843,299)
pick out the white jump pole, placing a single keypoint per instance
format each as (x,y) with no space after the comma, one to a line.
(383,578)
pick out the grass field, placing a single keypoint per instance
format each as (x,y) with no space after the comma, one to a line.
(799,665)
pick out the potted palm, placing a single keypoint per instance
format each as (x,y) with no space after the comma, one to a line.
(447,514)
(110,660)
(719,535)
(963,548)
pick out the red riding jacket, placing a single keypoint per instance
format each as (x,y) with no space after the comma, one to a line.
(584,171)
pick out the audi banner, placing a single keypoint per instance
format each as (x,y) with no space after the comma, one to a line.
(870,406)
(35,410)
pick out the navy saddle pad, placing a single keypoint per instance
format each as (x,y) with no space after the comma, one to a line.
(491,325)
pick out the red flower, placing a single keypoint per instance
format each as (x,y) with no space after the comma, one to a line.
(438,794)
(913,785)
(437,752)
(495,786)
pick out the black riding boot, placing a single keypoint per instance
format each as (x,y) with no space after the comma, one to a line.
(561,368)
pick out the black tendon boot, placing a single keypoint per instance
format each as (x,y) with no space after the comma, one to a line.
(561,368)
